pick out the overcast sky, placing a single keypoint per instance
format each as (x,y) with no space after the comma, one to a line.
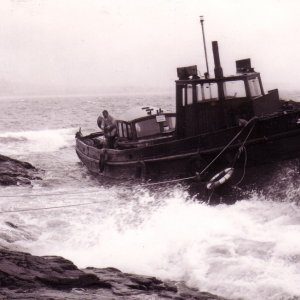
(94,46)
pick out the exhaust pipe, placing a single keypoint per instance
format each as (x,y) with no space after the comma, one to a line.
(218,68)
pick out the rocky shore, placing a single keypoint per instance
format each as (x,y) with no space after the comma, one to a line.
(24,276)
(16,172)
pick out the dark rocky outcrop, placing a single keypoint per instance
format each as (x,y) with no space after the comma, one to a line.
(16,172)
(24,276)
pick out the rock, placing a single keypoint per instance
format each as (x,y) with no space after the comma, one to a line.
(24,276)
(24,270)
(16,172)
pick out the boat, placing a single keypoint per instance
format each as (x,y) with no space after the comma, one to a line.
(223,127)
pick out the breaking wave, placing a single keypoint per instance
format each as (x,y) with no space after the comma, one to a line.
(249,250)
(39,141)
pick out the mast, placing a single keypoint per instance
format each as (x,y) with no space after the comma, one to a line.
(204,44)
(206,60)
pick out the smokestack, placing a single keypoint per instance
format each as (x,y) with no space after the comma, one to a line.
(218,68)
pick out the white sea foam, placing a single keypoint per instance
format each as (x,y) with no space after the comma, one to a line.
(249,250)
(23,142)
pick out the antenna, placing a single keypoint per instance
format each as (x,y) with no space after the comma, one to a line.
(204,44)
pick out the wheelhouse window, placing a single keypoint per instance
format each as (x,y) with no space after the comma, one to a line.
(129,131)
(235,89)
(187,95)
(184,96)
(207,91)
(147,127)
(200,92)
(254,87)
(172,122)
(124,127)
(124,130)
(154,126)
(120,130)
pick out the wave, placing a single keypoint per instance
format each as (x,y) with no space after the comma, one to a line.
(249,250)
(10,139)
(24,142)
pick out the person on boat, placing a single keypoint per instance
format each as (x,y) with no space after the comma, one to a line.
(100,141)
(110,128)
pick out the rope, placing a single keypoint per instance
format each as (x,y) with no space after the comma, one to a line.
(46,208)
(209,198)
(170,181)
(243,144)
(232,140)
(243,148)
(47,194)
(244,168)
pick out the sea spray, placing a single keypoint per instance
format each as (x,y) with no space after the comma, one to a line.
(247,250)
(35,141)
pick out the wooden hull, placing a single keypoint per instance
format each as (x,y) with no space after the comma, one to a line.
(271,140)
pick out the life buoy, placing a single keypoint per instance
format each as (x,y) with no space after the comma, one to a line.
(103,160)
(219,178)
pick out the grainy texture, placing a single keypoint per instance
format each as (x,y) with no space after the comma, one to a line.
(24,276)
(16,172)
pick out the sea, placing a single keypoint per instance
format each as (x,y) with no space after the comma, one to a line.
(248,250)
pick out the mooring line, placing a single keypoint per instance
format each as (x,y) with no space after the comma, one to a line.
(47,194)
(168,181)
(46,208)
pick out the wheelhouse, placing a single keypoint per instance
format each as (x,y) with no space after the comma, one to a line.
(205,104)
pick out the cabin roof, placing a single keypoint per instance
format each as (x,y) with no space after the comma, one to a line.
(140,112)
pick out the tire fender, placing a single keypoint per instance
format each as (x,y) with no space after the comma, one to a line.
(103,160)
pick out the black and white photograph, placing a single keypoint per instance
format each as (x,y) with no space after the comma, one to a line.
(150,149)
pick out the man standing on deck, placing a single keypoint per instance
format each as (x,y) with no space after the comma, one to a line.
(110,128)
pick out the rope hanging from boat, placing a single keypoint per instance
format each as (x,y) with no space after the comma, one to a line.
(47,194)
(233,139)
(242,148)
(169,181)
(244,167)
(103,160)
(46,208)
